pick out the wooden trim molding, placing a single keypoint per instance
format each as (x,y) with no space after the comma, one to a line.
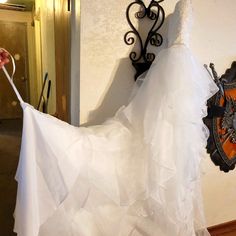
(62,52)
(225,229)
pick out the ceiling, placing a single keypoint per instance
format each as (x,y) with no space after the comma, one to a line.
(28,3)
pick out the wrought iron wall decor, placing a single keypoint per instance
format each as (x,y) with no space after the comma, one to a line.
(221,120)
(154,12)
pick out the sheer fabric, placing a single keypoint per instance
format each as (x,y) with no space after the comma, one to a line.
(138,174)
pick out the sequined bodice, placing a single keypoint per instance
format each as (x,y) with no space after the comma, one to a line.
(180,24)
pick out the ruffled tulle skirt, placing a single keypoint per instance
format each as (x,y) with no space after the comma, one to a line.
(138,174)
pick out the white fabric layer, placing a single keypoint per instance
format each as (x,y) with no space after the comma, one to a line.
(138,174)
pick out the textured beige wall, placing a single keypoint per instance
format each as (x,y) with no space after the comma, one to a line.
(75,61)
(106,74)
(213,40)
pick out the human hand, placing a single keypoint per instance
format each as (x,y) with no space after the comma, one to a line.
(4,57)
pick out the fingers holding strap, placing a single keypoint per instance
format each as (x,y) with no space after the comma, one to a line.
(3,60)
(3,57)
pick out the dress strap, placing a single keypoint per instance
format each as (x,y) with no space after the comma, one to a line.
(10,78)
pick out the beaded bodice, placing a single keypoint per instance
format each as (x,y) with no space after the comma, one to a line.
(180,24)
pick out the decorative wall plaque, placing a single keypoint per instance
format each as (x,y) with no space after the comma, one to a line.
(221,121)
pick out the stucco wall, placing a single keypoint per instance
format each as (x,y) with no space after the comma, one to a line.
(75,61)
(213,40)
(106,74)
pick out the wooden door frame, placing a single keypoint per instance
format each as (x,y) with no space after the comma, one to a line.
(26,17)
(62,58)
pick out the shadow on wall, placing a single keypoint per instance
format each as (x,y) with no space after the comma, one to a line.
(122,84)
(117,94)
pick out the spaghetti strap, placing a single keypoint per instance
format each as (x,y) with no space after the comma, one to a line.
(10,78)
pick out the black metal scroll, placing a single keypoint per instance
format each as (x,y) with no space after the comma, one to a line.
(143,60)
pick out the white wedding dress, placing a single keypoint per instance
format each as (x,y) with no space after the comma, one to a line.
(138,174)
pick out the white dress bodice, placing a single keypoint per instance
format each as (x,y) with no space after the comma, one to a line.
(180,24)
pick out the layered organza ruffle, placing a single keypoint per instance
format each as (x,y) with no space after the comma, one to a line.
(138,174)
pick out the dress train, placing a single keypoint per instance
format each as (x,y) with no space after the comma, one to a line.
(138,174)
